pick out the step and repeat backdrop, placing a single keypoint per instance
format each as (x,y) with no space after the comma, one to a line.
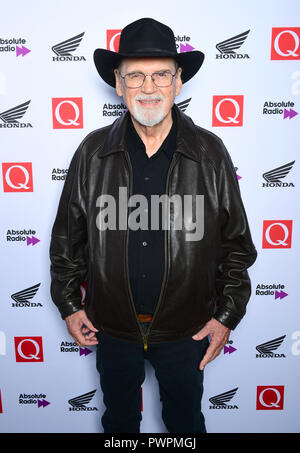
(248,93)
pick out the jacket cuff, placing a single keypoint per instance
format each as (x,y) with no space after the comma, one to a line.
(68,309)
(227,318)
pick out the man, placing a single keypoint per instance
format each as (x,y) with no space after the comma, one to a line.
(160,283)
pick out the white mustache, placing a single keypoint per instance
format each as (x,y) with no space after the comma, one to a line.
(141,97)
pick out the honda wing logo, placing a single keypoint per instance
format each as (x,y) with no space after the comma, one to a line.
(10,117)
(273,177)
(228,47)
(79,402)
(183,105)
(219,401)
(22,298)
(266,349)
(63,49)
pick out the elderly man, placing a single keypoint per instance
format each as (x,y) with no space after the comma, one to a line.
(155,290)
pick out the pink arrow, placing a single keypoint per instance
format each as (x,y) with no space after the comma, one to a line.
(281,294)
(32,240)
(229,349)
(186,47)
(22,51)
(84,351)
(43,403)
(289,113)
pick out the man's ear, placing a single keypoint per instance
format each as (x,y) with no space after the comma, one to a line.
(178,81)
(118,83)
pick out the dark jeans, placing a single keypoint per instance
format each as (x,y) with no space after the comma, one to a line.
(122,372)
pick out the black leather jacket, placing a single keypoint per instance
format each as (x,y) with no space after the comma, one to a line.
(202,278)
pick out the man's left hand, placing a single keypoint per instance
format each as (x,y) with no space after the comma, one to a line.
(219,335)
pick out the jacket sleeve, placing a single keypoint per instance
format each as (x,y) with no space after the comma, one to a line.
(69,242)
(237,249)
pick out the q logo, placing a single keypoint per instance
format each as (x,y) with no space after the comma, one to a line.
(277,234)
(285,43)
(269,397)
(67,113)
(17,177)
(29,349)
(113,40)
(228,111)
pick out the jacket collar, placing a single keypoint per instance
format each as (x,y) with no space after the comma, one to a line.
(185,143)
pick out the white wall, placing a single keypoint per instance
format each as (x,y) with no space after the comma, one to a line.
(263,143)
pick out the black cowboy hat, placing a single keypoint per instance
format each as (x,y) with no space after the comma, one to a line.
(146,38)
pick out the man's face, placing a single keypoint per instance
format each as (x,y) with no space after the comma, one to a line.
(148,104)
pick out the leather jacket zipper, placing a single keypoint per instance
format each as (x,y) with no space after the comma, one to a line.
(145,335)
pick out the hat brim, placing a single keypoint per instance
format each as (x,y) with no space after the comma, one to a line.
(106,61)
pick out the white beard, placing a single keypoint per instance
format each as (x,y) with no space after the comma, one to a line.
(148,116)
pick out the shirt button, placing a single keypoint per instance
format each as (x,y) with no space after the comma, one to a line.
(144,243)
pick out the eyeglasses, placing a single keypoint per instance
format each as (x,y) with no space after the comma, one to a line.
(160,78)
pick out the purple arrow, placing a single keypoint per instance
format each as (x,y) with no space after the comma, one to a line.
(43,403)
(84,351)
(186,47)
(229,349)
(22,51)
(32,240)
(281,294)
(289,113)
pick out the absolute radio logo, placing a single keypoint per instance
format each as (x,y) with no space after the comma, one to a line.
(24,297)
(14,45)
(109,109)
(64,50)
(11,116)
(270,397)
(29,349)
(229,47)
(59,174)
(25,235)
(67,113)
(17,177)
(183,43)
(36,399)
(266,350)
(71,346)
(271,289)
(277,234)
(274,177)
(285,43)
(282,109)
(228,111)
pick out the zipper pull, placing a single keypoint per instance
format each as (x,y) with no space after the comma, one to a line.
(145,343)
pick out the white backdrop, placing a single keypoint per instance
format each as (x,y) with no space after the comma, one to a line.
(41,370)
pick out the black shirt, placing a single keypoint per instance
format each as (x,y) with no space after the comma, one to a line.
(146,246)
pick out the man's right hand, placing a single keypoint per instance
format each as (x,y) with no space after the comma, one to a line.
(81,329)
